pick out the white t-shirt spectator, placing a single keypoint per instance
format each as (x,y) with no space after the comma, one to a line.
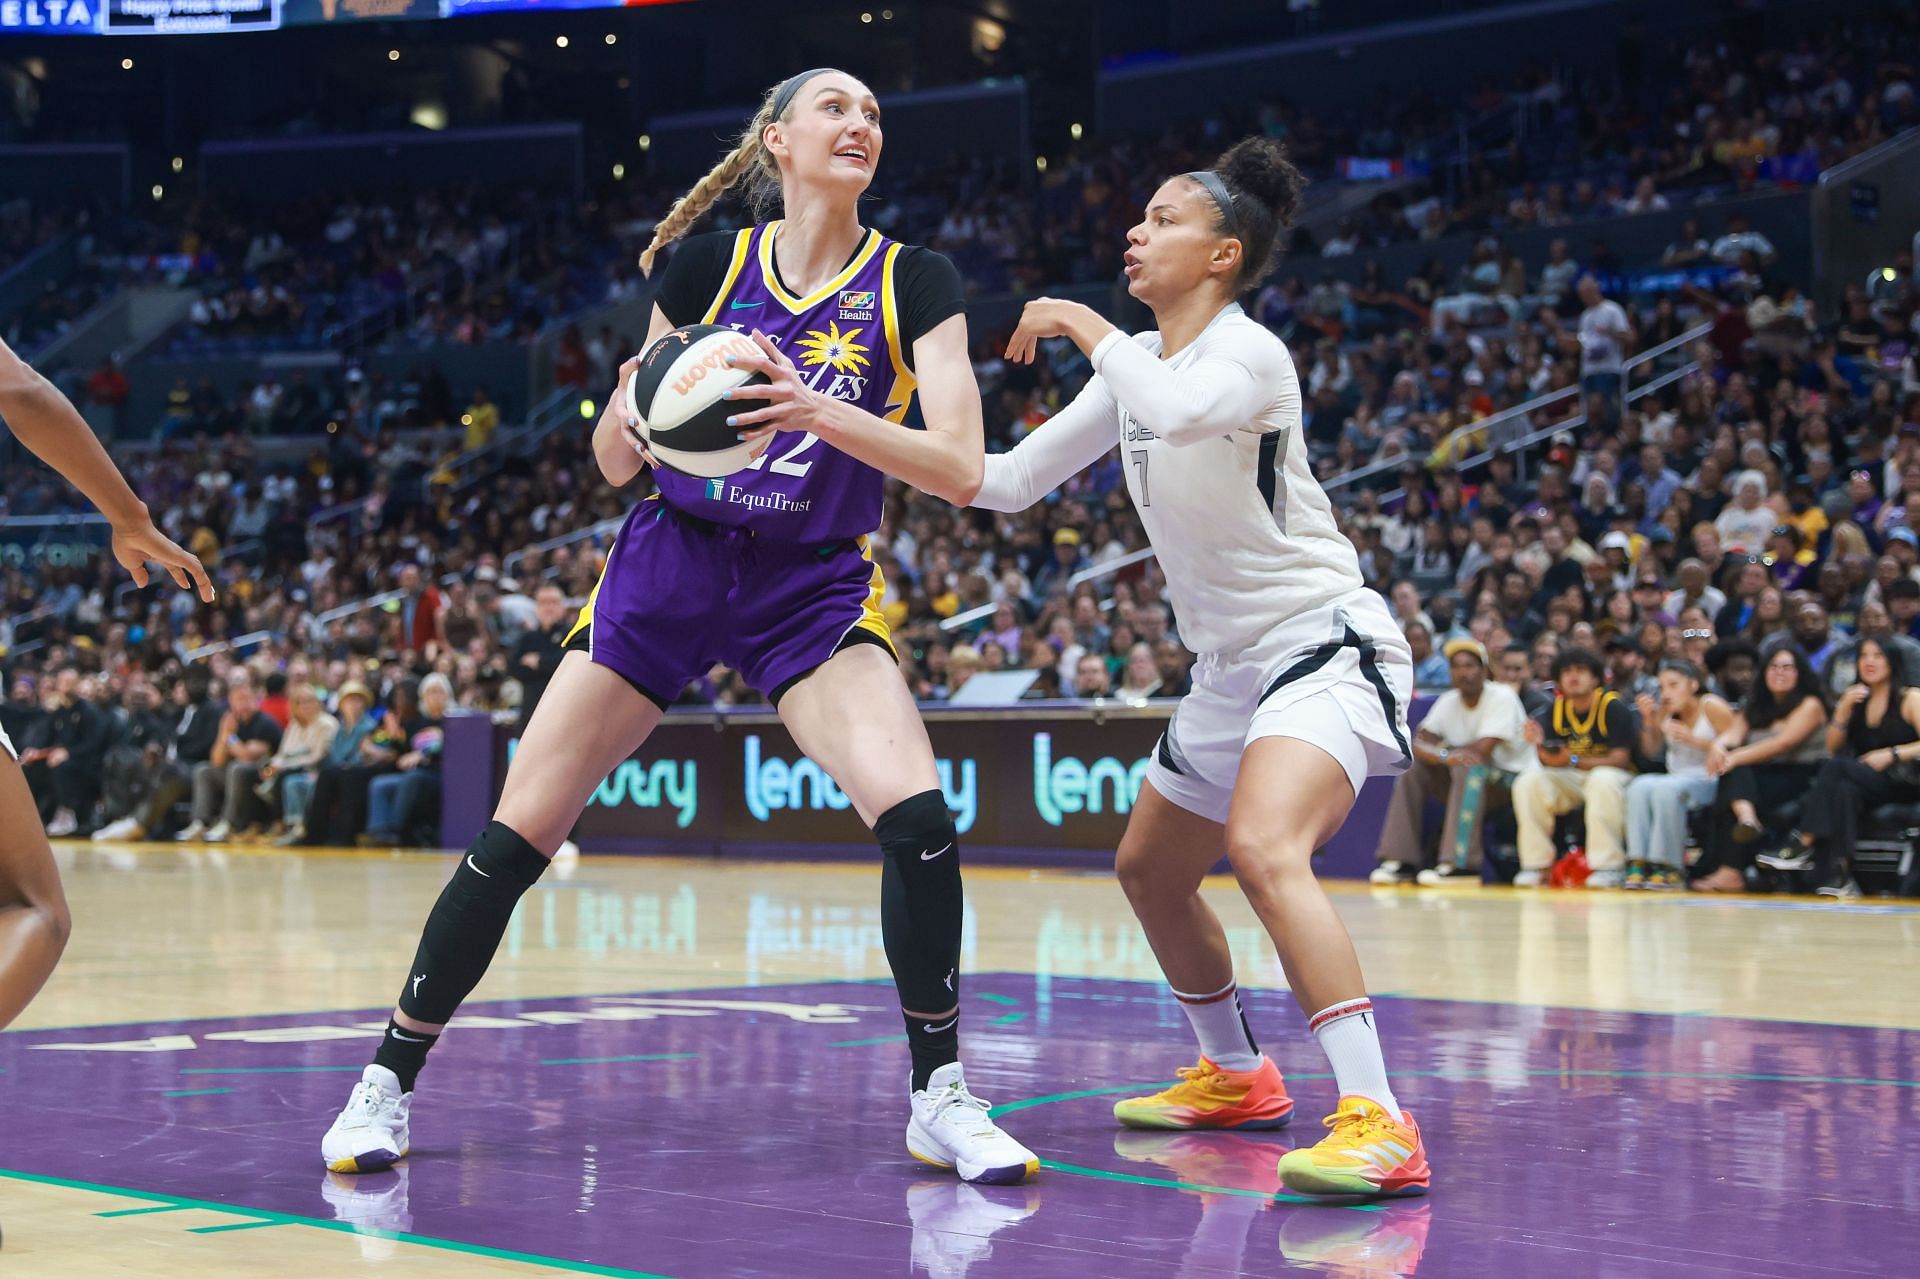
(1603,337)
(1746,531)
(1557,277)
(1728,248)
(1499,714)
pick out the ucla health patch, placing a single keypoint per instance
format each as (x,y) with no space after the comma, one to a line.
(856,304)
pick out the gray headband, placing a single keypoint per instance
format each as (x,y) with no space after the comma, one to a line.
(1218,190)
(784,95)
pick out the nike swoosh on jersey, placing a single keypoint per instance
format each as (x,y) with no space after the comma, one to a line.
(743,306)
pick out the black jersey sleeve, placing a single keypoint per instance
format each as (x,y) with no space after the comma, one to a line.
(928,290)
(694,274)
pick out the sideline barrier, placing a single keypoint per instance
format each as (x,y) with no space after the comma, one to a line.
(1039,784)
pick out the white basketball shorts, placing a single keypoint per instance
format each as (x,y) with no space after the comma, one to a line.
(1339,677)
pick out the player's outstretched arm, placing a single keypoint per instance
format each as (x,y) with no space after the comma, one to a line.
(1212,396)
(53,430)
(1060,448)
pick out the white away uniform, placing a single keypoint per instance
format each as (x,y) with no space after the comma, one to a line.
(1265,588)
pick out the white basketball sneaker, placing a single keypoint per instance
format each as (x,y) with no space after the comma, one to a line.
(370,1135)
(950,1128)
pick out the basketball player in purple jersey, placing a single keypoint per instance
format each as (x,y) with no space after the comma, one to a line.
(770,572)
(34,922)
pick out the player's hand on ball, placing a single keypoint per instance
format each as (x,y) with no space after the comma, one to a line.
(792,404)
(1042,318)
(630,425)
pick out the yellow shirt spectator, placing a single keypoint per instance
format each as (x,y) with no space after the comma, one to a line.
(482,419)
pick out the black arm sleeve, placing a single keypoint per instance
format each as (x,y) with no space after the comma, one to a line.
(928,290)
(694,274)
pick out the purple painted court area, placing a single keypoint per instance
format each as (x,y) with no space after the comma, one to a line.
(757,1132)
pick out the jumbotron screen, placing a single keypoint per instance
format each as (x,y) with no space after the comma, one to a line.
(200,17)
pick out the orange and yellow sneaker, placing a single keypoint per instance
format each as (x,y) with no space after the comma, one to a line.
(1369,1152)
(1210,1097)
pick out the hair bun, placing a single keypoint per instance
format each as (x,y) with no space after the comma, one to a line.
(1259,167)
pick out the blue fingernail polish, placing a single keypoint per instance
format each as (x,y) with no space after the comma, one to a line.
(741,437)
(733,421)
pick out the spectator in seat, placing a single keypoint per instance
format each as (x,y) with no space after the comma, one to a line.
(135,763)
(1680,726)
(1516,672)
(481,418)
(1583,747)
(223,785)
(337,810)
(1873,742)
(1746,524)
(352,726)
(303,747)
(1764,761)
(1466,751)
(395,799)
(1430,669)
(197,717)
(420,605)
(1140,678)
(63,761)
(1090,679)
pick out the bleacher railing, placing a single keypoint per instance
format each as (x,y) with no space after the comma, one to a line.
(561,406)
(1510,431)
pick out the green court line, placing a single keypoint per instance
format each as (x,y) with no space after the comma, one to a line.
(1007,1019)
(262,1070)
(137,1212)
(996,999)
(862,1043)
(269,1218)
(196,1092)
(238,1225)
(594,1061)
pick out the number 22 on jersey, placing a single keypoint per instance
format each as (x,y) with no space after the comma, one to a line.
(784,464)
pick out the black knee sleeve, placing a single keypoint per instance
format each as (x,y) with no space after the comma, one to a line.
(466,924)
(920,901)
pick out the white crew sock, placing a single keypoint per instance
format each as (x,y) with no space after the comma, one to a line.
(1220,1025)
(1347,1035)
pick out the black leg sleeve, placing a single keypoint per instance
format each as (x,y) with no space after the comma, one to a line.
(466,924)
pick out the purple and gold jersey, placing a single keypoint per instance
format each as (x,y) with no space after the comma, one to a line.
(845,340)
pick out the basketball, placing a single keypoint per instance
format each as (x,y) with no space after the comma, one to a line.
(676,395)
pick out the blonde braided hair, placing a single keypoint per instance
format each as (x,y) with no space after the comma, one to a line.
(749,161)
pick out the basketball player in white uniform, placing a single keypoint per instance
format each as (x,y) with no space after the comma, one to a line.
(1300,690)
(34,922)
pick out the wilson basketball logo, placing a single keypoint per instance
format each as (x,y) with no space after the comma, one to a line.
(712,360)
